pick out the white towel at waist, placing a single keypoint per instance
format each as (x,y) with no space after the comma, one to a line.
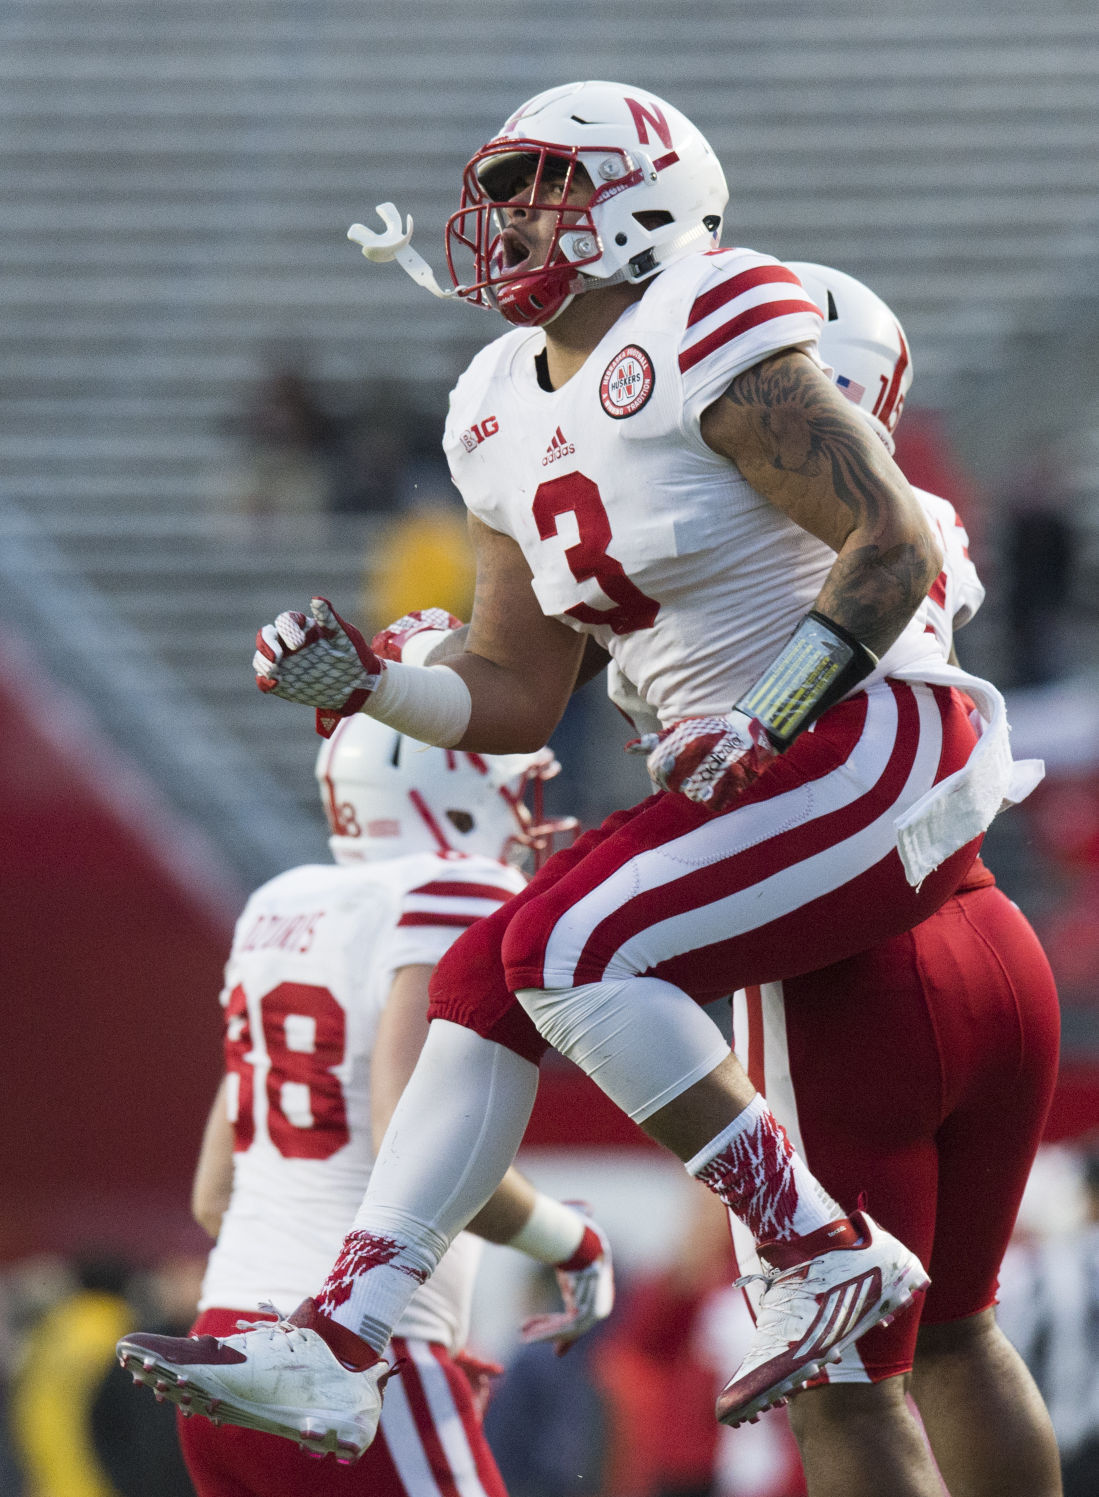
(963,805)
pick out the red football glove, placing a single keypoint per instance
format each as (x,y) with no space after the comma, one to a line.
(389,642)
(323,662)
(707,759)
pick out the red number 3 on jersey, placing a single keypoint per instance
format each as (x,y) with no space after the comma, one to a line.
(574,494)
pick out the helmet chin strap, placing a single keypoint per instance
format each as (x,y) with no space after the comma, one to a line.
(660,255)
(624,276)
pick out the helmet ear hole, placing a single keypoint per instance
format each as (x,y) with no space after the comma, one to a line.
(461,821)
(654,218)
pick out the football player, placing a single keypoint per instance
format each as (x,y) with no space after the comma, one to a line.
(943,1143)
(325,1003)
(971,991)
(654,457)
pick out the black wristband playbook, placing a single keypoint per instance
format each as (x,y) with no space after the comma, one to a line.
(818,665)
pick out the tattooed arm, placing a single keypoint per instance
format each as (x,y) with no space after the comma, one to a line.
(798,443)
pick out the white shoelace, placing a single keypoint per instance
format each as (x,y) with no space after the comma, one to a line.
(747,1278)
(280,1325)
(775,1307)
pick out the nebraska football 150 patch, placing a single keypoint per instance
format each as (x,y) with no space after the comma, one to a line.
(627,382)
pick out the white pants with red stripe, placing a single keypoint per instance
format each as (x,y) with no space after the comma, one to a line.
(802,871)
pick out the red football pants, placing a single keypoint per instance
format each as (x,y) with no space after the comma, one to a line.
(918,1073)
(801,872)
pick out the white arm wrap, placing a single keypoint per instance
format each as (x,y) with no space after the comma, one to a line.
(424,648)
(551,1233)
(418,649)
(431,703)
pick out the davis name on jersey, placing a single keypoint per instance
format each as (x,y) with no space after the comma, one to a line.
(311,965)
(634,530)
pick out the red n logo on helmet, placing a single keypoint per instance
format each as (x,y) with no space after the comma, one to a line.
(653,116)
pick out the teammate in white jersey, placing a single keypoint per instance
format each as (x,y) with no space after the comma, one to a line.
(325,1004)
(655,458)
(971,992)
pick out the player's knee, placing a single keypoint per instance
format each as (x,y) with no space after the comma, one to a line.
(577,1021)
(552,1012)
(971,1336)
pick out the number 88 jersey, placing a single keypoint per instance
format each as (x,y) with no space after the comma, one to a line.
(634,530)
(313,958)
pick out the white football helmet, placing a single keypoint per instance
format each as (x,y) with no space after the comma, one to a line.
(386,795)
(659,194)
(864,343)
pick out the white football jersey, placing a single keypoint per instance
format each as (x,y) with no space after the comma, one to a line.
(955,597)
(634,530)
(312,962)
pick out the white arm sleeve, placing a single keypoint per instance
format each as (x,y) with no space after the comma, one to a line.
(431,703)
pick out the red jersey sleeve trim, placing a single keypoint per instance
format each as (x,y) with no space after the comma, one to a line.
(759,275)
(462,891)
(741,324)
(430,917)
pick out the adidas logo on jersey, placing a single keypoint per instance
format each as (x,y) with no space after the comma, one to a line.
(557,449)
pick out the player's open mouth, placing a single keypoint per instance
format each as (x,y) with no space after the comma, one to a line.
(514,249)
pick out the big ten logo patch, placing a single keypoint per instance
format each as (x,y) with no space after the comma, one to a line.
(479,432)
(627,382)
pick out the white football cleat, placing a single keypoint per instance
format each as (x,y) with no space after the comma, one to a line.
(820,1298)
(307,1378)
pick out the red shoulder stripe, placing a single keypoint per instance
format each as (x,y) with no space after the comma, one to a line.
(463,891)
(720,296)
(429,917)
(742,324)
